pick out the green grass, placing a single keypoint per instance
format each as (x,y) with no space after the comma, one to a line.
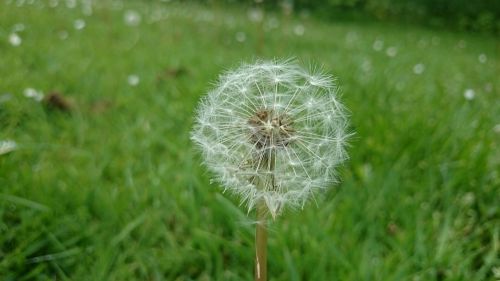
(113,189)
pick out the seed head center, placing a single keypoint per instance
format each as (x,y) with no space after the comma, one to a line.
(270,129)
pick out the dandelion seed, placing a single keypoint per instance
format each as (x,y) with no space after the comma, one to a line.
(418,68)
(482,58)
(272,133)
(7,146)
(241,37)
(299,30)
(133,80)
(132,18)
(391,51)
(79,24)
(469,94)
(378,45)
(33,94)
(15,40)
(496,128)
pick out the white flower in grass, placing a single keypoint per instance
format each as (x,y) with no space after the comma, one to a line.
(132,18)
(33,94)
(133,80)
(469,94)
(7,146)
(15,40)
(79,24)
(272,132)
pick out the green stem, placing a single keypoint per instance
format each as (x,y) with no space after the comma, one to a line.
(261,244)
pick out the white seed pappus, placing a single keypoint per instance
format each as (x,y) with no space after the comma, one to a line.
(272,132)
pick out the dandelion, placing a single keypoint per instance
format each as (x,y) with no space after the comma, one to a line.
(469,94)
(79,24)
(273,134)
(133,80)
(15,40)
(255,15)
(378,45)
(63,34)
(241,36)
(299,30)
(391,52)
(33,94)
(132,18)
(482,58)
(419,68)
(7,146)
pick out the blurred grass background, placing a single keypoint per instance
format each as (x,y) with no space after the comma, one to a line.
(105,185)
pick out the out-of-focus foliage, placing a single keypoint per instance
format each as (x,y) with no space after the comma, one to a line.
(482,15)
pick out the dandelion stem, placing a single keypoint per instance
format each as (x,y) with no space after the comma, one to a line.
(261,244)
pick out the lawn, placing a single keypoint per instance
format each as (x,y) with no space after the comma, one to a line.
(104,183)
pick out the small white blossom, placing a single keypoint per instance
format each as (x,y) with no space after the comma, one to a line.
(391,51)
(79,24)
(7,146)
(299,30)
(255,15)
(133,80)
(418,68)
(469,94)
(272,132)
(482,58)
(15,40)
(241,36)
(63,35)
(132,18)
(378,45)
(33,94)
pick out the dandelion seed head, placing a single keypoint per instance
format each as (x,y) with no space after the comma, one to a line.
(132,18)
(391,52)
(33,94)
(469,94)
(418,68)
(15,40)
(482,58)
(133,80)
(7,146)
(79,24)
(241,36)
(272,132)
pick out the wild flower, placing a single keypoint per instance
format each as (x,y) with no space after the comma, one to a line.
(7,146)
(272,133)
